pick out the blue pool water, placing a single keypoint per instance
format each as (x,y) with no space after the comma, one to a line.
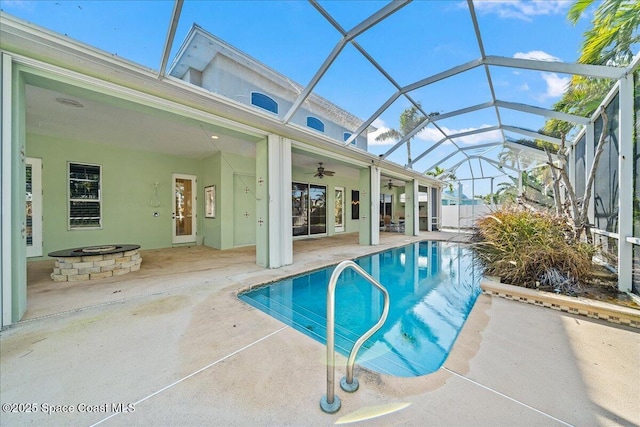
(432,288)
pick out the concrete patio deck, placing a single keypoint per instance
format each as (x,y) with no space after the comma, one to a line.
(174,342)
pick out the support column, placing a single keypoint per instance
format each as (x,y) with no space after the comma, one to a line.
(369,206)
(274,239)
(374,171)
(411,208)
(429,208)
(7,187)
(625,176)
(13,248)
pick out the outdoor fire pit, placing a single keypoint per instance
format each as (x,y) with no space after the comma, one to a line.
(95,262)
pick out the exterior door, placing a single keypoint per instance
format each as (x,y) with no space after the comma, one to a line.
(339,209)
(184,208)
(34,207)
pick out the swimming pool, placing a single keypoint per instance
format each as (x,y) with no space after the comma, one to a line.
(432,288)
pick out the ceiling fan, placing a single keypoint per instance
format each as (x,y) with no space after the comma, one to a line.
(390,185)
(321,172)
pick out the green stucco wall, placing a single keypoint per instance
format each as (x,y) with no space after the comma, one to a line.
(128,178)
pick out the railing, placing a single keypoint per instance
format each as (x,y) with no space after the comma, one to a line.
(330,403)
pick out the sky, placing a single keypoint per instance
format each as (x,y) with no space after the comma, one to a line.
(421,39)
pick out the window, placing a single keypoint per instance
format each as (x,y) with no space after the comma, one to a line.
(385,204)
(346,136)
(315,123)
(85,202)
(263,101)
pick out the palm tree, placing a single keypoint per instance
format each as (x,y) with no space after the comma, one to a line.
(439,172)
(514,158)
(613,32)
(409,120)
(609,41)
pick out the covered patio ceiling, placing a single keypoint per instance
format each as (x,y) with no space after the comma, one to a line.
(333,49)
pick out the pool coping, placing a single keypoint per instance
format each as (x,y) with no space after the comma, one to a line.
(574,305)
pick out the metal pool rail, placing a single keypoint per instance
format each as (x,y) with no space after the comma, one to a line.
(330,403)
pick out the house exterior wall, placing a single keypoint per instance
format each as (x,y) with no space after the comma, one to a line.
(236,81)
(127,186)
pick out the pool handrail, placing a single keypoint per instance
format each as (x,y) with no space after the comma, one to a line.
(330,403)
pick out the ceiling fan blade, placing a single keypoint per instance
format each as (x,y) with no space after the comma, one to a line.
(329,173)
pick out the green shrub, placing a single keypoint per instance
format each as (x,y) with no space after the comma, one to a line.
(533,249)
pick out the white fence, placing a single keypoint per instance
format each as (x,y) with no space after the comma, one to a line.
(463,216)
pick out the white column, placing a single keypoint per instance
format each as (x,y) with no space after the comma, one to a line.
(429,208)
(412,209)
(625,177)
(7,189)
(374,209)
(279,188)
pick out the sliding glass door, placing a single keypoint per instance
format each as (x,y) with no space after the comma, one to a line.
(309,210)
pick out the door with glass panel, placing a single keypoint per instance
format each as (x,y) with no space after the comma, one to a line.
(184,208)
(34,207)
(338,210)
(309,209)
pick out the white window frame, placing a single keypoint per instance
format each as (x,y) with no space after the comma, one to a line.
(71,227)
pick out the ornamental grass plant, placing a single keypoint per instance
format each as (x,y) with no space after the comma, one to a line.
(533,249)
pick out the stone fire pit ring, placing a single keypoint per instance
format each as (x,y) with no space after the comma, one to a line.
(95,262)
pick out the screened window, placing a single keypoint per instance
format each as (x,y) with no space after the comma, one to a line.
(606,189)
(315,123)
(580,166)
(263,101)
(85,202)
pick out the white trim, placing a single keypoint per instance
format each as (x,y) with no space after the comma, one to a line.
(601,71)
(633,240)
(606,233)
(7,189)
(625,176)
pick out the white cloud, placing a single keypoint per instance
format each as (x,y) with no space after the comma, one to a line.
(556,85)
(539,55)
(524,87)
(431,135)
(382,127)
(521,9)
(18,4)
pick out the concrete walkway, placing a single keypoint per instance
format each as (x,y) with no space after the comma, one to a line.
(180,349)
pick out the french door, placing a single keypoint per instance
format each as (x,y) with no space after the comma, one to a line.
(184,208)
(309,210)
(34,207)
(339,210)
